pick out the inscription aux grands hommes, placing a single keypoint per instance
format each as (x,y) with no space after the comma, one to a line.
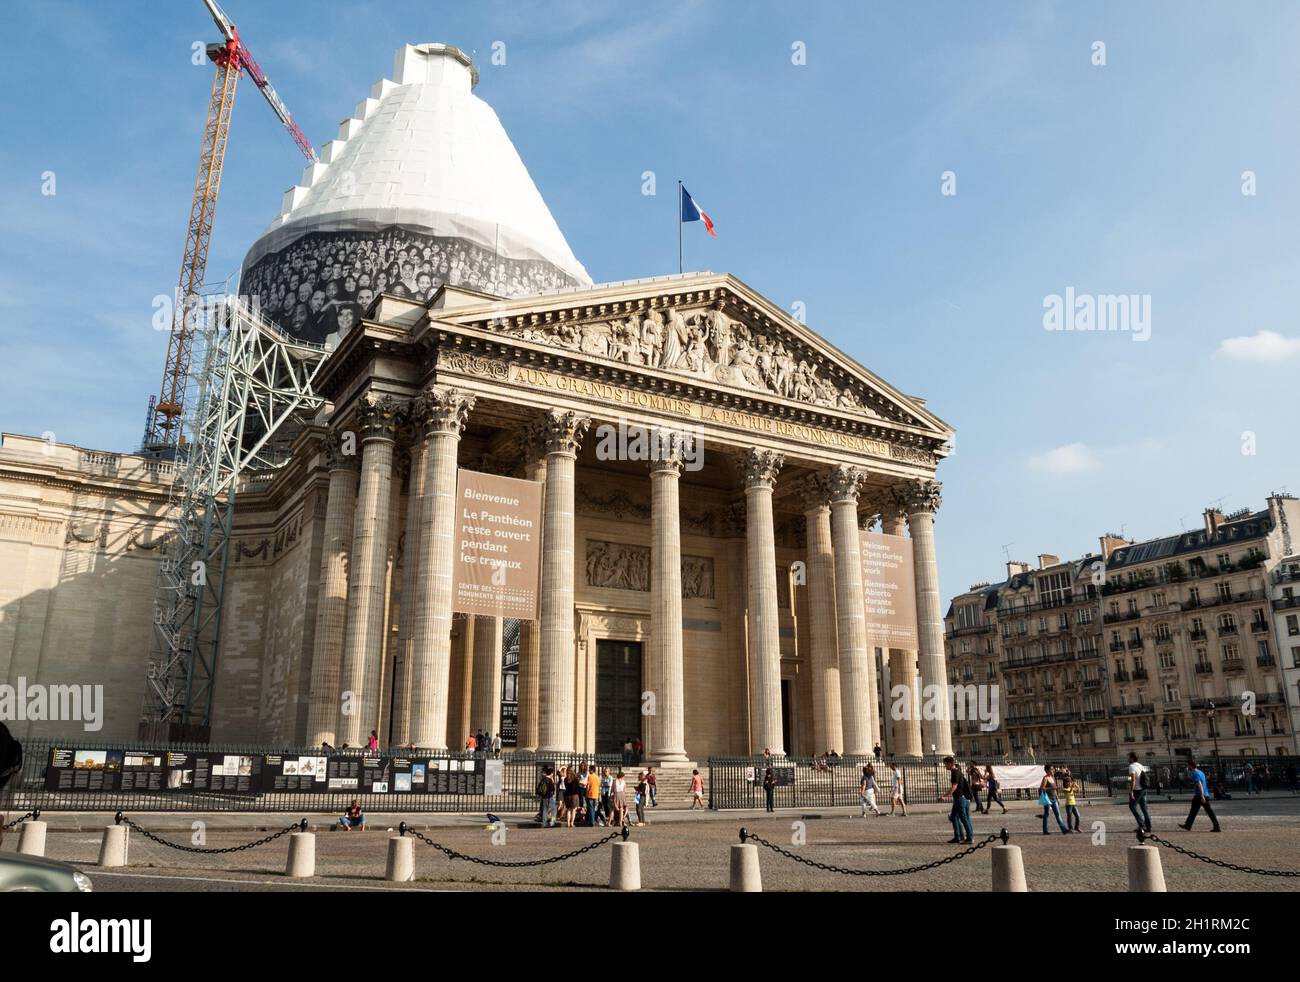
(619,395)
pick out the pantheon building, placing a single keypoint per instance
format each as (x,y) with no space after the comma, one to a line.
(707,597)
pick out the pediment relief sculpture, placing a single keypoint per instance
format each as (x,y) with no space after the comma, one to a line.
(710,345)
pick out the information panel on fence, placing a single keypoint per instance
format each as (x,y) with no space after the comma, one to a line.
(498,545)
(888,580)
(169,770)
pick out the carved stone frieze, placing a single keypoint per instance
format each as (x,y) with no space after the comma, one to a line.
(618,566)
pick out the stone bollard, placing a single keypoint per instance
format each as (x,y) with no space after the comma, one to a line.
(1008,870)
(1145,873)
(302,855)
(401,860)
(112,851)
(31,838)
(745,875)
(625,867)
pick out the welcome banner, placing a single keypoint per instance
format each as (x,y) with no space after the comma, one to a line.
(498,545)
(889,583)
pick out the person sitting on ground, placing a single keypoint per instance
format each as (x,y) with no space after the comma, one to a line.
(353,818)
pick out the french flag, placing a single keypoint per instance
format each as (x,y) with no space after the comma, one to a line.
(691,212)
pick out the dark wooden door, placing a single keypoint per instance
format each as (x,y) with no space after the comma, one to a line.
(618,694)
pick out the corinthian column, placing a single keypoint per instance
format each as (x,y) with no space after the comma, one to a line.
(922,499)
(485,678)
(564,432)
(828,729)
(760,468)
(905,732)
(412,564)
(332,599)
(441,412)
(857,695)
(664,672)
(363,641)
(533,442)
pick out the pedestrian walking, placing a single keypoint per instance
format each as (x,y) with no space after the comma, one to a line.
(373,742)
(496,745)
(975,777)
(959,792)
(653,784)
(606,796)
(546,795)
(1292,779)
(636,750)
(898,796)
(1071,789)
(572,796)
(1138,783)
(627,752)
(867,791)
(1047,799)
(642,789)
(593,796)
(992,792)
(619,792)
(769,788)
(697,790)
(1200,798)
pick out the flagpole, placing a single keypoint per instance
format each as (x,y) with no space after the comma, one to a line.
(680,262)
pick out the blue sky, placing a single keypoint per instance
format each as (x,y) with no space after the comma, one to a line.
(824,180)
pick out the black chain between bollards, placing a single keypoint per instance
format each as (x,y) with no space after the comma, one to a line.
(34,814)
(1144,836)
(622,833)
(746,835)
(121,819)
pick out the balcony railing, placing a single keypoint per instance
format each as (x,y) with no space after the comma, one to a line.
(1259,627)
(1135,709)
(1134,643)
(1090,683)
(1232,665)
(1117,646)
(1204,668)
(1121,676)
(1139,675)
(1286,603)
(1197,635)
(1265,661)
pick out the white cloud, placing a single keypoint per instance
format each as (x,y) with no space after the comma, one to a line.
(1073,458)
(1264,346)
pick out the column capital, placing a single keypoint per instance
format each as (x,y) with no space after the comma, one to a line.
(668,450)
(377,417)
(846,482)
(921,495)
(867,520)
(815,489)
(532,440)
(442,409)
(760,468)
(565,430)
(341,451)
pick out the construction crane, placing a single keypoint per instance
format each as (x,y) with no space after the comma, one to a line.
(231,57)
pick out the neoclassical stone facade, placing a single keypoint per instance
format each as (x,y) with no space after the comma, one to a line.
(708,599)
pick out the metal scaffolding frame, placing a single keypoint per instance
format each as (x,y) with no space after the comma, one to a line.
(254,383)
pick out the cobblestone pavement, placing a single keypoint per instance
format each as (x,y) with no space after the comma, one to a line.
(685,851)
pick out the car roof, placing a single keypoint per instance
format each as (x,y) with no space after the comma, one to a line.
(20,859)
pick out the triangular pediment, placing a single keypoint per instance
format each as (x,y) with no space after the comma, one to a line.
(713,330)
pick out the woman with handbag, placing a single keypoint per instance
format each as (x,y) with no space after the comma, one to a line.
(993,794)
(1047,799)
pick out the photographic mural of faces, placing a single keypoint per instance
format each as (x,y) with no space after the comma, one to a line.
(326,281)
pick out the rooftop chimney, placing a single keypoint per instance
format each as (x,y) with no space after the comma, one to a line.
(1110,542)
(1046,559)
(1015,567)
(1213,519)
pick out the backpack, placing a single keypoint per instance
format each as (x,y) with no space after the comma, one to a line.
(543,787)
(1143,780)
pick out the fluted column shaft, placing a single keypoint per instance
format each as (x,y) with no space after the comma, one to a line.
(412,564)
(556,685)
(857,700)
(485,684)
(905,732)
(828,728)
(363,639)
(529,634)
(442,412)
(923,503)
(664,673)
(332,601)
(760,469)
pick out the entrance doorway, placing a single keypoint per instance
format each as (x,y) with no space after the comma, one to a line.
(618,694)
(785,716)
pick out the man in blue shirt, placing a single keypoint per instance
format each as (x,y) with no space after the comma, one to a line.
(1200,797)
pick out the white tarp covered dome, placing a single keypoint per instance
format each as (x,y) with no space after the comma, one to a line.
(422,187)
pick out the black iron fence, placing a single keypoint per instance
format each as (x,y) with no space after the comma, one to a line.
(178,777)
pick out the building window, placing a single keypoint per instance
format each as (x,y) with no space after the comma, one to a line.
(1166,659)
(1178,728)
(1292,625)
(1224,561)
(1132,605)
(1171,692)
(1158,599)
(1225,591)
(1162,632)
(1193,596)
(1230,652)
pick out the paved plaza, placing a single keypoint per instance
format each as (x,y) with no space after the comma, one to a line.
(681,850)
